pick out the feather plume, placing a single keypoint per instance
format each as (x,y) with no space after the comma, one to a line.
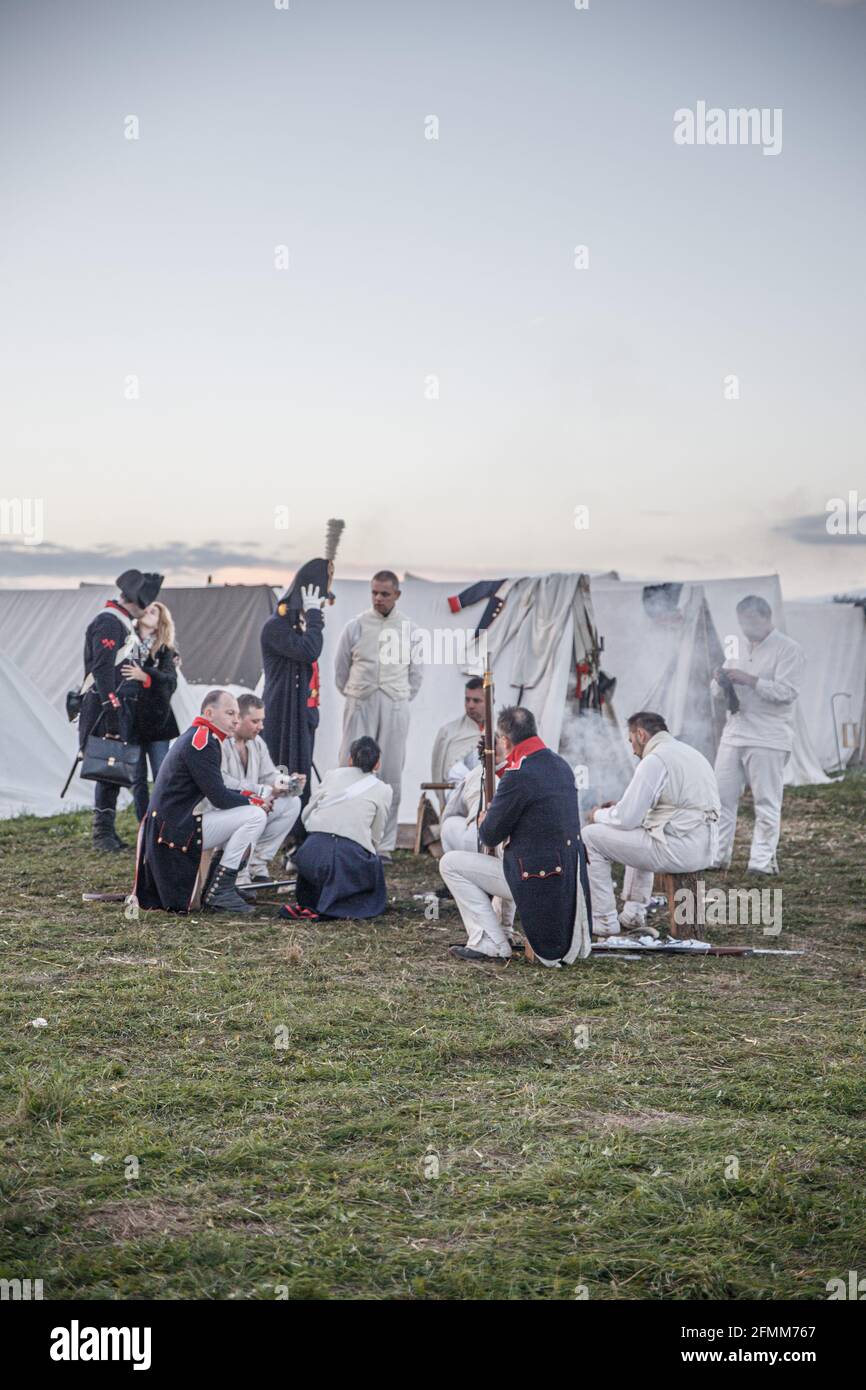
(332,537)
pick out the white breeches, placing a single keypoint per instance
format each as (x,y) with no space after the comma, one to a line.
(643,856)
(277,826)
(474,880)
(232,831)
(763,770)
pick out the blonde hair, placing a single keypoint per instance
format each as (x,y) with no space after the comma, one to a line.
(164,636)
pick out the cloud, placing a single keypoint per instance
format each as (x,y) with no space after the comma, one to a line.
(812,530)
(19,561)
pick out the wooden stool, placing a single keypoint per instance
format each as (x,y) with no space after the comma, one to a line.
(669,884)
(422,804)
(201,880)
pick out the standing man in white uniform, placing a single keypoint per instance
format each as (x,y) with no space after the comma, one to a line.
(666,821)
(378,670)
(758,738)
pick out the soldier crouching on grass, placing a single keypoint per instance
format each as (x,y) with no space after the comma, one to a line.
(176,829)
(543,867)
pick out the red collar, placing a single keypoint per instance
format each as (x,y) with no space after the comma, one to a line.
(521,751)
(201,723)
(112,603)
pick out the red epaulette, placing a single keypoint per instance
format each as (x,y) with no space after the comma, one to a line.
(200,738)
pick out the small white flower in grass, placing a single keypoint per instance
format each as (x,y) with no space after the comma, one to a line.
(97,1158)
(39,1023)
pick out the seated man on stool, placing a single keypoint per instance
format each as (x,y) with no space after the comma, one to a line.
(246,763)
(534,814)
(178,828)
(666,821)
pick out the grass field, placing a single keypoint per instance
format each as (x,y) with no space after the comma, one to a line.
(272,1105)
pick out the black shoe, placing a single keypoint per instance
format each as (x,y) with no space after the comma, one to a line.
(104,836)
(467,953)
(221,894)
(444,893)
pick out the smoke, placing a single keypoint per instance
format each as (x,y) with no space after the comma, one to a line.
(593,745)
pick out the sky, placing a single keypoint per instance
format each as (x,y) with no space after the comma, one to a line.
(286,300)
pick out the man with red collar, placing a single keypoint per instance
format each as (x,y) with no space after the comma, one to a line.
(177,828)
(108,702)
(534,815)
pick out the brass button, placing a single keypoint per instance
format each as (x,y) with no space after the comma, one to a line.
(541,875)
(558,869)
(525,875)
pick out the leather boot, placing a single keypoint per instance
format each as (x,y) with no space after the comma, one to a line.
(221,894)
(104,837)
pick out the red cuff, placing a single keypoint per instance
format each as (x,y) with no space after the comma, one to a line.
(252,798)
(147,682)
(454,604)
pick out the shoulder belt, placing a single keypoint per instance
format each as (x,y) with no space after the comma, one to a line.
(123,651)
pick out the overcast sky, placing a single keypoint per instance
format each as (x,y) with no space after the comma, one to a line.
(418,266)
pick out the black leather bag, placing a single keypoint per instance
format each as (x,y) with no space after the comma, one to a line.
(109,760)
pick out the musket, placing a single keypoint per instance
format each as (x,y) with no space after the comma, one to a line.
(489,746)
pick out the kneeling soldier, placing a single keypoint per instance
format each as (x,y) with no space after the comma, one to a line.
(176,829)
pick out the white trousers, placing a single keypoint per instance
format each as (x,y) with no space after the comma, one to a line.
(473,880)
(456,834)
(232,831)
(387,721)
(762,769)
(277,826)
(643,856)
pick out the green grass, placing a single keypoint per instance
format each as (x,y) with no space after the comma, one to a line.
(302,1167)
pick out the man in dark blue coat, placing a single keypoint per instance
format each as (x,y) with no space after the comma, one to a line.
(108,702)
(176,829)
(291,644)
(534,815)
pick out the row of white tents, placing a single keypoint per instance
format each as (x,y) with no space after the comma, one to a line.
(659,642)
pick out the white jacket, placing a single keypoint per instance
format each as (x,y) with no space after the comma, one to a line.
(360,818)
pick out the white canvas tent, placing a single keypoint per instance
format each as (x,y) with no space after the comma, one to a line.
(533,659)
(834,692)
(546,626)
(41,647)
(37,747)
(804,767)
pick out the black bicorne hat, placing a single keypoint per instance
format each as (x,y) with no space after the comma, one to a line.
(314,572)
(140,588)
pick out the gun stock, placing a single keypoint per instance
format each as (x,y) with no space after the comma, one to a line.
(489,746)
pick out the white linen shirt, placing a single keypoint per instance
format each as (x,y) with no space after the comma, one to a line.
(765,718)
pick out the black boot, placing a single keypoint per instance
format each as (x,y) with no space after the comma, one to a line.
(221,895)
(104,837)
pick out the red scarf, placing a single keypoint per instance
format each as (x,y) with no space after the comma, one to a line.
(201,723)
(519,752)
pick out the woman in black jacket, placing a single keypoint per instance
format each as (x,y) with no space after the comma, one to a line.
(156,670)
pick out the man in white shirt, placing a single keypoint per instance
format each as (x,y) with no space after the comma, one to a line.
(247,766)
(666,821)
(759,735)
(378,670)
(459,737)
